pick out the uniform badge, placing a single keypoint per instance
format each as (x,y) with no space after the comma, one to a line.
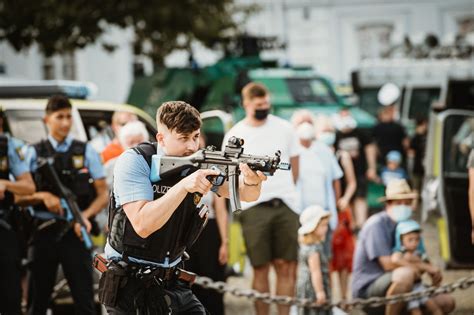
(3,164)
(197,198)
(78,161)
(19,151)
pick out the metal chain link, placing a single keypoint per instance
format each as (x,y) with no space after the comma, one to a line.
(254,295)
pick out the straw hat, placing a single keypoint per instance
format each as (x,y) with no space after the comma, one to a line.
(398,189)
(310,219)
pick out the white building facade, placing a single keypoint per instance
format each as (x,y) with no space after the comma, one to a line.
(332,36)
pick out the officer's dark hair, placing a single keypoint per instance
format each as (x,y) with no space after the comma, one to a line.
(57,102)
(253,89)
(179,116)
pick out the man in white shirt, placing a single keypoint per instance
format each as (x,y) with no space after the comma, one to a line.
(270,224)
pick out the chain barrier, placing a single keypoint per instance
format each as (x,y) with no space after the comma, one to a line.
(222,287)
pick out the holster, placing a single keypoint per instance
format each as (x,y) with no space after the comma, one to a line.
(113,278)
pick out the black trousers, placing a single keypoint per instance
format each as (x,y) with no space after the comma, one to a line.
(183,301)
(10,273)
(75,259)
(204,261)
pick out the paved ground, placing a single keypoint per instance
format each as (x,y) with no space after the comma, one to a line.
(464,299)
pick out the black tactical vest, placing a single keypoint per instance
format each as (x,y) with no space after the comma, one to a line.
(71,170)
(179,233)
(7,202)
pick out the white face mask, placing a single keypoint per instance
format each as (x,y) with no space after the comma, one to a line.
(327,137)
(305,131)
(344,123)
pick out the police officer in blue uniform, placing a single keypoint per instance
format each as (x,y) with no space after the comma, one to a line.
(79,168)
(152,223)
(11,164)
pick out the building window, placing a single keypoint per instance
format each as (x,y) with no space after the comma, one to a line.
(48,69)
(374,39)
(69,66)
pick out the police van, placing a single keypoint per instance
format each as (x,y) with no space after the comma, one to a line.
(23,104)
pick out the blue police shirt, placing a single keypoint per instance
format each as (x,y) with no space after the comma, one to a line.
(16,161)
(132,183)
(92,159)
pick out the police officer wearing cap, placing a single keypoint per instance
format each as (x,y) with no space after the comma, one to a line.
(11,164)
(153,222)
(79,168)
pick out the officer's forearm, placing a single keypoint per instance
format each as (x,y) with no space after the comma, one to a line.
(148,217)
(31,200)
(23,185)
(99,203)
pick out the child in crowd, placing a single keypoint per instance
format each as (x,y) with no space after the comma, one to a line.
(393,170)
(313,276)
(409,246)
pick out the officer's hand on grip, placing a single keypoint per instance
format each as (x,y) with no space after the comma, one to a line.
(251,178)
(53,203)
(77,227)
(3,189)
(197,181)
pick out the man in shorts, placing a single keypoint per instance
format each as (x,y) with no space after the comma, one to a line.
(270,224)
(374,272)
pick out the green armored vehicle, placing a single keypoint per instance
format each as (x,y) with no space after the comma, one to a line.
(218,87)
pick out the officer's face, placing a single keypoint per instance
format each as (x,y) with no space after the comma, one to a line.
(59,123)
(177,144)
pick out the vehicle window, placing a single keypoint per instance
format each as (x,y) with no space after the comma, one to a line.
(421,100)
(28,125)
(311,90)
(97,124)
(368,100)
(458,141)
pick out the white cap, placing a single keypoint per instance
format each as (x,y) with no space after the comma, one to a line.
(310,219)
(388,94)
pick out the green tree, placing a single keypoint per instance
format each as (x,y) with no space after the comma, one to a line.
(160,26)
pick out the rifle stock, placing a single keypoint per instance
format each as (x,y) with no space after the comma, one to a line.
(68,199)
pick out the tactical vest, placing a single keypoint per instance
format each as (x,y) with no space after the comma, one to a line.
(71,170)
(171,240)
(7,202)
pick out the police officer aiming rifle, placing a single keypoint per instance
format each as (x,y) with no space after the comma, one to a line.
(152,223)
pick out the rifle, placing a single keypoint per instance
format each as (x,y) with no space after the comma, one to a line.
(68,199)
(227,162)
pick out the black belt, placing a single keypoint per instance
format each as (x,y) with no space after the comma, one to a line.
(272,203)
(146,272)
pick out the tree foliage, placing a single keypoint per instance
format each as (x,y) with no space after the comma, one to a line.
(160,26)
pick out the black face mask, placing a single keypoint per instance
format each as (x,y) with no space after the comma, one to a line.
(261,114)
